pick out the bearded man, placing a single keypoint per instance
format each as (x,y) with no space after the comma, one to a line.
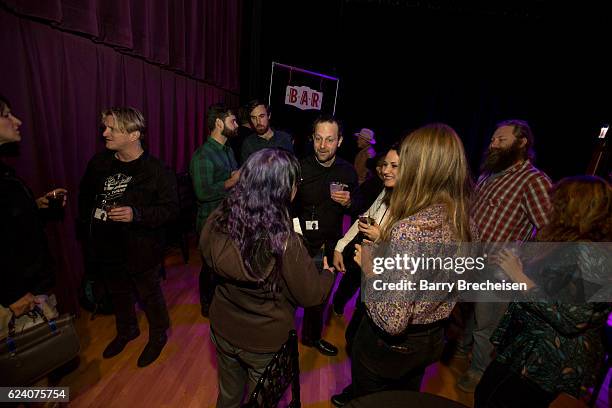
(264,136)
(214,171)
(511,205)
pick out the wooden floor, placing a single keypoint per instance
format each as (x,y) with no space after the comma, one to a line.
(185,374)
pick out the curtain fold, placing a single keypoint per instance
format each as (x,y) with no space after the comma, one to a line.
(59,82)
(198,38)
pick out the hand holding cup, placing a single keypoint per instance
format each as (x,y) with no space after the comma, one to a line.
(55,199)
(368,227)
(339,194)
(120,214)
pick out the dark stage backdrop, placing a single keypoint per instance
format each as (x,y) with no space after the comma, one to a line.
(170,59)
(470,64)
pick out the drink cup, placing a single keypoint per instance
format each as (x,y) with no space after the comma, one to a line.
(366,219)
(56,199)
(336,186)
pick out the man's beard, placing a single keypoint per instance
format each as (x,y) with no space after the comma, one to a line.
(329,158)
(497,160)
(228,133)
(262,130)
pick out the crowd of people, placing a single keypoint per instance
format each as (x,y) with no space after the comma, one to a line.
(271,237)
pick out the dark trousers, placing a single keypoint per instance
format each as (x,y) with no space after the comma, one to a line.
(381,363)
(351,331)
(122,285)
(350,281)
(500,387)
(312,324)
(207,284)
(351,328)
(237,369)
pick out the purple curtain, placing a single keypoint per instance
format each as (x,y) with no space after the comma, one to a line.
(58,83)
(199,38)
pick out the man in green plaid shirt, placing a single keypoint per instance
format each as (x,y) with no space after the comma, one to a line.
(213,167)
(214,172)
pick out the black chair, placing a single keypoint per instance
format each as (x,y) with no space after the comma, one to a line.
(282,371)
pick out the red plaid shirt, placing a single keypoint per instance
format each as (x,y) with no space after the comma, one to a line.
(513,204)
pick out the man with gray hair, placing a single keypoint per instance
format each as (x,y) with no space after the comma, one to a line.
(126,196)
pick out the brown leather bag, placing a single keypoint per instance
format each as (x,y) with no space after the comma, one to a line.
(29,355)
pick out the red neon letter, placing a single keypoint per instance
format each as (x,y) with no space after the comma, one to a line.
(315,100)
(292,95)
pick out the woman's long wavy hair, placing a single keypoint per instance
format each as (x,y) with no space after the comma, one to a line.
(581,211)
(433,170)
(255,214)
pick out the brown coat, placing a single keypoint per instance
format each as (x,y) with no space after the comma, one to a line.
(245,314)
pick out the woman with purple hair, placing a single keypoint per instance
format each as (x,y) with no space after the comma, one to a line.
(263,270)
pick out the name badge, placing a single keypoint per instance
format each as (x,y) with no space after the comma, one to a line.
(100,214)
(312,225)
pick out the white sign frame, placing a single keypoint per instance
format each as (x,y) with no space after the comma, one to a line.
(305,71)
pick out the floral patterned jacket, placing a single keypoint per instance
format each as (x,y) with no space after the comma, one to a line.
(558,346)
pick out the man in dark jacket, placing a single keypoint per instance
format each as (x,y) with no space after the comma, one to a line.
(126,197)
(321,211)
(263,136)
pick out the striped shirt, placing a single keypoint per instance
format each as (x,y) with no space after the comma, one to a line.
(513,204)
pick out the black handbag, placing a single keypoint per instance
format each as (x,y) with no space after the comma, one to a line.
(29,355)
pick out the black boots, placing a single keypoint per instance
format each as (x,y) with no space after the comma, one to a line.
(117,345)
(152,350)
(150,353)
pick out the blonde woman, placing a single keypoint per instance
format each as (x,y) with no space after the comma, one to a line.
(429,204)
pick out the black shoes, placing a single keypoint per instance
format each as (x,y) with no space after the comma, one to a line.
(152,350)
(150,353)
(117,345)
(340,400)
(323,346)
